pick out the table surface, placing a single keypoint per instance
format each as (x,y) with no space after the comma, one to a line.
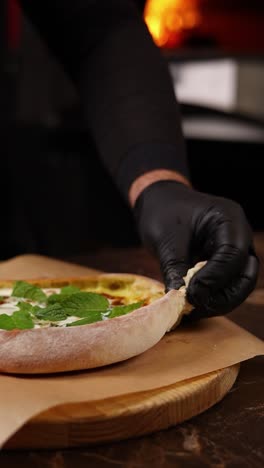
(231,434)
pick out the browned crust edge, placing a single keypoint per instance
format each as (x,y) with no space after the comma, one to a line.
(82,280)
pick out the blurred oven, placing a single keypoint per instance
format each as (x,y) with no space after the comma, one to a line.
(221,25)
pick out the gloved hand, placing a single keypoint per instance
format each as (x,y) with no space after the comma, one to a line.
(181,227)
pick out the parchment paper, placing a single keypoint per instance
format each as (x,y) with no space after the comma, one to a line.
(188,352)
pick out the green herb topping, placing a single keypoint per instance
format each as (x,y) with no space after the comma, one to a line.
(86,307)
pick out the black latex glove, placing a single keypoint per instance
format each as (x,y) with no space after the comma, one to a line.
(182,226)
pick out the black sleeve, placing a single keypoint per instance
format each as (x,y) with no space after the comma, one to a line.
(125,88)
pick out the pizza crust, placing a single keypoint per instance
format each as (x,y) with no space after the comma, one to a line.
(48,350)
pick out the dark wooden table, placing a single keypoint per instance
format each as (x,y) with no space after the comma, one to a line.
(231,434)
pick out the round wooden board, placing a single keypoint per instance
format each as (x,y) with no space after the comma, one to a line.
(126,416)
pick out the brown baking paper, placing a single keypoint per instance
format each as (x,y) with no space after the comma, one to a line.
(187,352)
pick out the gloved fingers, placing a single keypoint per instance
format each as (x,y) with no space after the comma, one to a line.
(173,274)
(230,297)
(226,258)
(223,225)
(173,253)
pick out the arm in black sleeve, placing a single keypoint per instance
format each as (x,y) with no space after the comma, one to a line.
(124,84)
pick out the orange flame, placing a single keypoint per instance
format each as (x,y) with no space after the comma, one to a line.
(168,19)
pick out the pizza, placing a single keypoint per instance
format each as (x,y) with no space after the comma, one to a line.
(71,324)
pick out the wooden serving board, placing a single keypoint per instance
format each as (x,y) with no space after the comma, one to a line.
(119,418)
(126,416)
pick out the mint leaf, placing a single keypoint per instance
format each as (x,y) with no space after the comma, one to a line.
(123,309)
(22,320)
(56,298)
(27,307)
(85,302)
(82,298)
(6,322)
(93,317)
(65,292)
(19,320)
(52,313)
(29,291)
(82,313)
(70,290)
